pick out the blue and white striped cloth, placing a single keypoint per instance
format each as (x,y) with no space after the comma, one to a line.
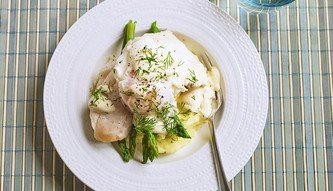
(295,44)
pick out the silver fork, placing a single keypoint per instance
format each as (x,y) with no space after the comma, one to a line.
(220,174)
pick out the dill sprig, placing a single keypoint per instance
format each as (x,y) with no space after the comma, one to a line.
(140,72)
(150,56)
(97,94)
(160,76)
(143,124)
(180,63)
(168,61)
(193,77)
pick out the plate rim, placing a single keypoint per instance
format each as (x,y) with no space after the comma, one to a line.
(73,27)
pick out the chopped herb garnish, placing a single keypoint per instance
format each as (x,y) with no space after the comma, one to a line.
(193,77)
(150,56)
(141,72)
(154,92)
(97,94)
(160,76)
(193,97)
(142,124)
(160,47)
(168,61)
(180,63)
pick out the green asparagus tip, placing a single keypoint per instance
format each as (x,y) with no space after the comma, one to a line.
(154,28)
(124,151)
(129,32)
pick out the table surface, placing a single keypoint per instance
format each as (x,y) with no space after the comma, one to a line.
(295,44)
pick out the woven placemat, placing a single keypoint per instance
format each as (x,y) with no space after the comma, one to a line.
(295,44)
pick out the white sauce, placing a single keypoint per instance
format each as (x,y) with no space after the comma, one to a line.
(158,69)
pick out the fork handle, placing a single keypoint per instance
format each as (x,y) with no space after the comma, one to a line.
(220,174)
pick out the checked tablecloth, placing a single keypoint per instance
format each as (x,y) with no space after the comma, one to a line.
(295,44)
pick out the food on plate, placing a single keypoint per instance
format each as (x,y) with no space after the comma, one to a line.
(153,97)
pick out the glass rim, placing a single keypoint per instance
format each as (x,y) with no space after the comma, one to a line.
(252,6)
(281,3)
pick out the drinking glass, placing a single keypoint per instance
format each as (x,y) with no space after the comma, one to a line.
(263,5)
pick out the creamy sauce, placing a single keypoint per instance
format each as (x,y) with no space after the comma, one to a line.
(153,72)
(158,69)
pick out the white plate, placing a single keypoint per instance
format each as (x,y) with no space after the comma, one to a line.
(84,50)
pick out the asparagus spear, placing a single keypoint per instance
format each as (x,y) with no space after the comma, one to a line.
(124,152)
(154,28)
(132,141)
(145,126)
(129,32)
(178,128)
(173,124)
